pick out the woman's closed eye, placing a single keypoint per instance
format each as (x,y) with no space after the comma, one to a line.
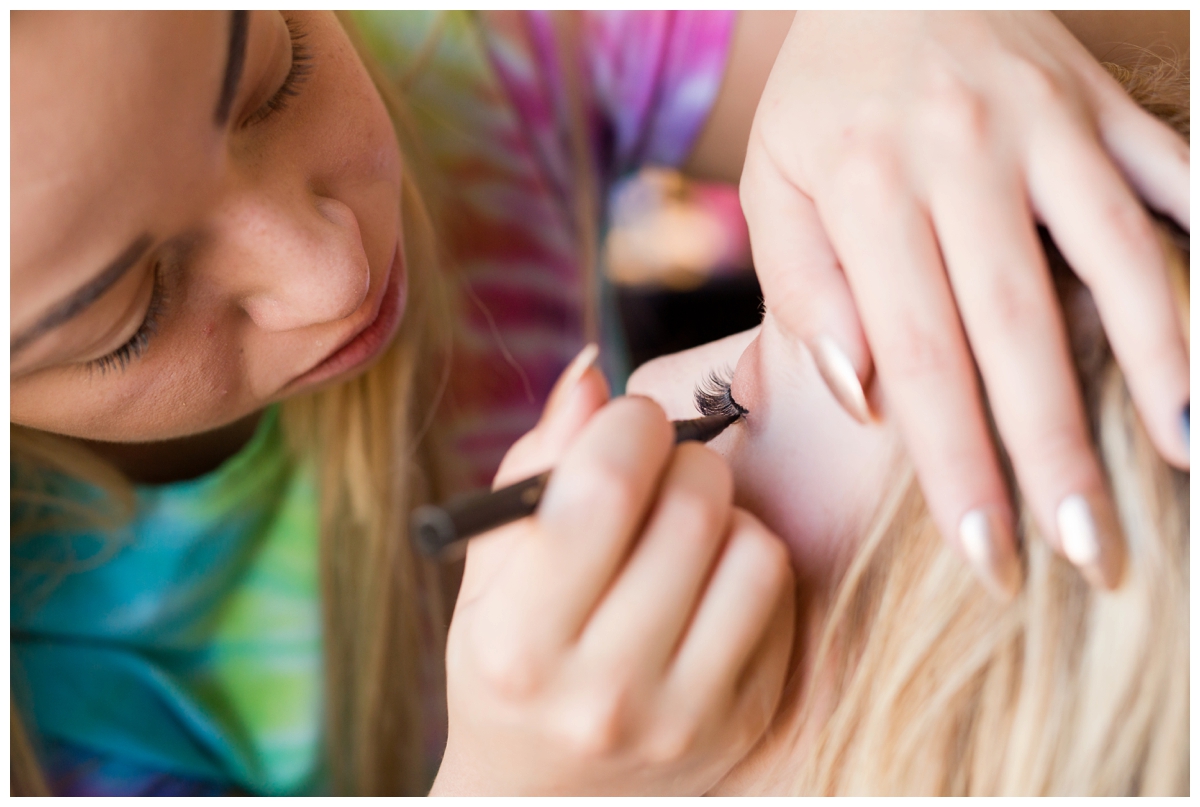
(135,346)
(714,395)
(301,68)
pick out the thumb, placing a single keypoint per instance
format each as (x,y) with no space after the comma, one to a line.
(580,391)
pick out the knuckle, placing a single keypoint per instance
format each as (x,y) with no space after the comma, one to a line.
(674,742)
(510,669)
(748,193)
(869,163)
(756,172)
(694,513)
(775,567)
(1012,304)
(916,350)
(765,557)
(955,117)
(1127,223)
(456,651)
(606,484)
(958,474)
(1159,356)
(593,727)
(757,711)
(1037,82)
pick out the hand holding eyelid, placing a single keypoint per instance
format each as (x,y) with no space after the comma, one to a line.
(924,261)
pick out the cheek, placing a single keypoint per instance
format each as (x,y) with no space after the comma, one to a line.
(815,490)
(163,405)
(358,131)
(186,383)
(803,466)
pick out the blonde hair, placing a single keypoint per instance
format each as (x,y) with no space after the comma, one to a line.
(932,688)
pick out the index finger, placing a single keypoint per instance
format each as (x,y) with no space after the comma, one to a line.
(579,393)
(592,509)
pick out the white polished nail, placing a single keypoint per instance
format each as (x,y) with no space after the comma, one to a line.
(837,370)
(975,538)
(1077,530)
(979,535)
(571,375)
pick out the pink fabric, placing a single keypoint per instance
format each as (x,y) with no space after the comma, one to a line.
(493,111)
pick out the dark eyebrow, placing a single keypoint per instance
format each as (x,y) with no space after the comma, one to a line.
(238,24)
(85,295)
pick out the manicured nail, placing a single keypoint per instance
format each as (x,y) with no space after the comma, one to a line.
(835,367)
(570,377)
(1089,537)
(982,533)
(1187,426)
(1077,531)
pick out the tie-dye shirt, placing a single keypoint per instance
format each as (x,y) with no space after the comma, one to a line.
(181,654)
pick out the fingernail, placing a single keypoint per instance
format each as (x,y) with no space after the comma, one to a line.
(1187,427)
(1089,538)
(989,550)
(570,377)
(835,367)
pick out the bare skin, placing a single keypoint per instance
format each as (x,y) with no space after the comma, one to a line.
(264,242)
(892,204)
(265,250)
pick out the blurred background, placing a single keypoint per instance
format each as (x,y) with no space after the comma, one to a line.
(677,254)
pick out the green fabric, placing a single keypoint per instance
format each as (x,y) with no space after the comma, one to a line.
(196,647)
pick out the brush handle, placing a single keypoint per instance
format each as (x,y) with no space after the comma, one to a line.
(435,528)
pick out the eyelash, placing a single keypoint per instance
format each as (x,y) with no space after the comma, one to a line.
(714,395)
(120,358)
(298,73)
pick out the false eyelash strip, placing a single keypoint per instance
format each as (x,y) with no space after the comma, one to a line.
(714,395)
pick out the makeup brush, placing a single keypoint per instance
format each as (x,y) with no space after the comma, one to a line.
(435,528)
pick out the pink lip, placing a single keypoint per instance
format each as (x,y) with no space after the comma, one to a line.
(368,342)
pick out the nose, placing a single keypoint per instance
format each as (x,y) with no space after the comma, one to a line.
(294,265)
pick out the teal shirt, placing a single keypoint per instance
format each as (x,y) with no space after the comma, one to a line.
(188,641)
